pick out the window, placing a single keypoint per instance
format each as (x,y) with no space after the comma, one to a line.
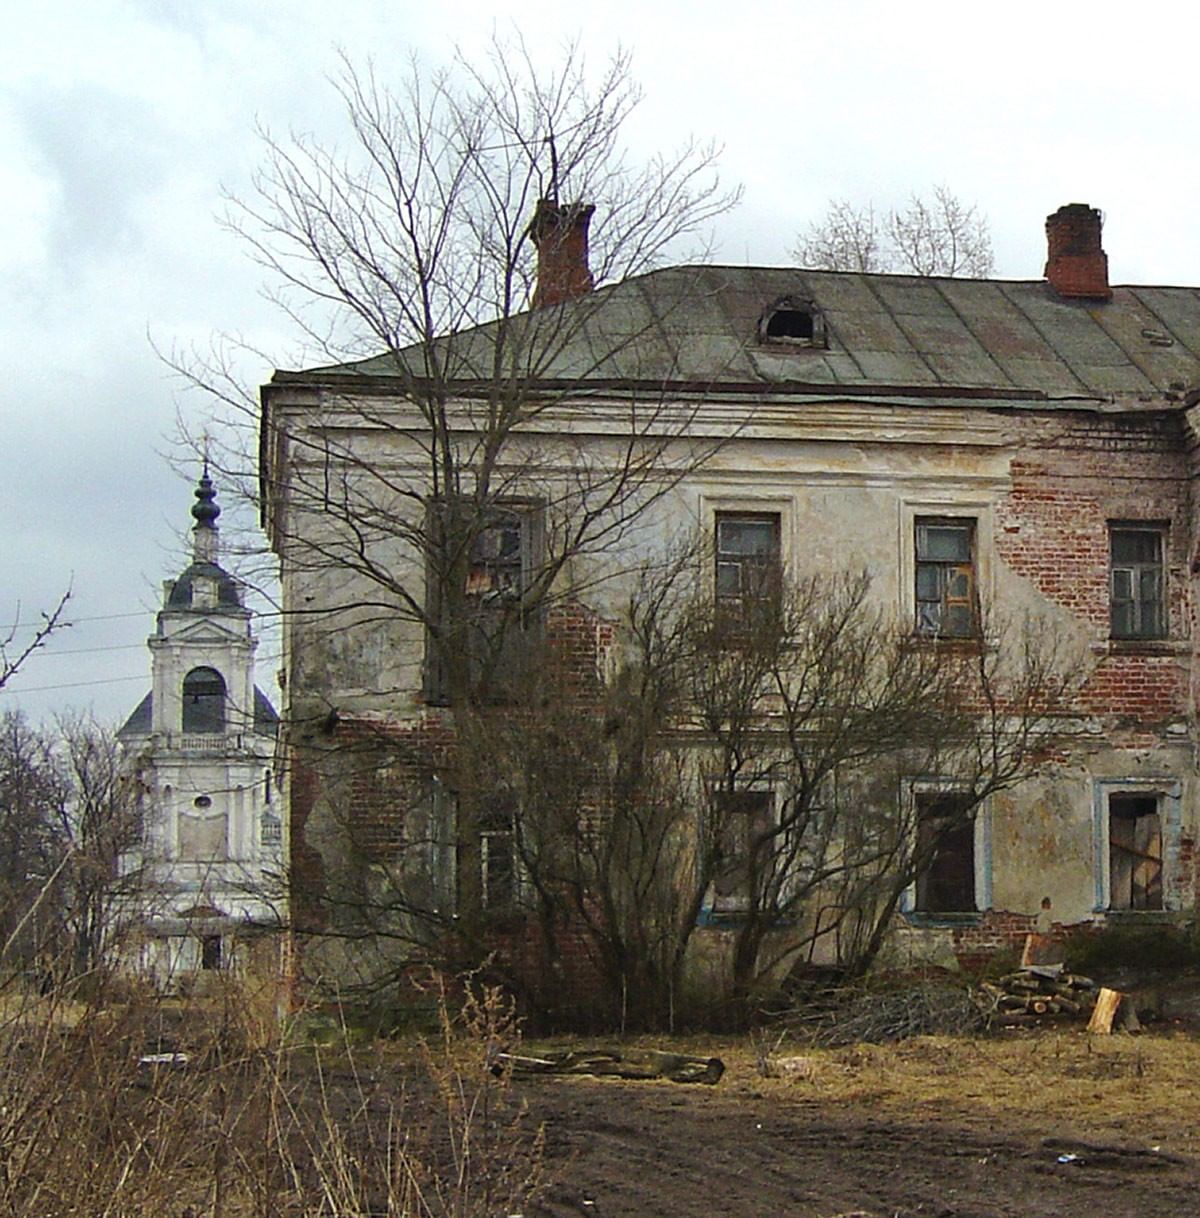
(210,952)
(497,858)
(204,702)
(946,601)
(945,852)
(793,322)
(497,629)
(748,571)
(1136,582)
(1135,851)
(745,823)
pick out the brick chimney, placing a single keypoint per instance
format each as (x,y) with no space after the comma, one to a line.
(1076,265)
(560,232)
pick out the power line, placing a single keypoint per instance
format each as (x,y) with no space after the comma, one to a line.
(40,689)
(49,653)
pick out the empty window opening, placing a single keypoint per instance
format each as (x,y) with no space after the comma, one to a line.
(1136,582)
(210,952)
(790,323)
(1135,852)
(204,702)
(945,570)
(745,820)
(794,322)
(496,631)
(945,852)
(497,859)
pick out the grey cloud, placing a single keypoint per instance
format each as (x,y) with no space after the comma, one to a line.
(105,154)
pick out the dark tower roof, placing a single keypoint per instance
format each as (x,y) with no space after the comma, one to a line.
(206,509)
(228,595)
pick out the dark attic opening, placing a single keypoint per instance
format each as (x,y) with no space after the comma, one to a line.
(795,322)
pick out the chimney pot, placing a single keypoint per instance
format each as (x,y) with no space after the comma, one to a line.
(1076,264)
(560,232)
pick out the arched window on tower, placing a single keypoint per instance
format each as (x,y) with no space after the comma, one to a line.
(204,702)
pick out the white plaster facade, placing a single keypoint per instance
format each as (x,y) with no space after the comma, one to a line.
(1042,420)
(201,745)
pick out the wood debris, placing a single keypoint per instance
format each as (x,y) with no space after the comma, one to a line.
(1038,993)
(1114,1009)
(625,1063)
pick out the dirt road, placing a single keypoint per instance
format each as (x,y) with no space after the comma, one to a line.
(659,1149)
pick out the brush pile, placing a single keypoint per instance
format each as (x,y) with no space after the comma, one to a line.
(930,1008)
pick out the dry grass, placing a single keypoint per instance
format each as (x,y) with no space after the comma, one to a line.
(1142,1088)
(237,1123)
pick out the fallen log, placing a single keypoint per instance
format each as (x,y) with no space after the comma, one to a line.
(625,1063)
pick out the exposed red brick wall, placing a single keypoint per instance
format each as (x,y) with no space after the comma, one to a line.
(1053,530)
(1143,687)
(1057,538)
(996,931)
(306,870)
(361,774)
(1184,880)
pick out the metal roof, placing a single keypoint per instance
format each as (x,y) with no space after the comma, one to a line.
(266,719)
(996,339)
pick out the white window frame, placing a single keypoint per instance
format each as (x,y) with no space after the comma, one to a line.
(1170,811)
(982,846)
(1158,530)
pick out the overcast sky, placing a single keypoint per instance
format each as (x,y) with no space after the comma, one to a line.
(122,122)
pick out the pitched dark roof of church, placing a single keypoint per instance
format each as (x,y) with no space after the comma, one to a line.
(266,718)
(228,594)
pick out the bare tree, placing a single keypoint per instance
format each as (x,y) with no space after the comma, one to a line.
(438,501)
(65,817)
(761,771)
(848,238)
(96,822)
(938,235)
(31,790)
(829,705)
(14,654)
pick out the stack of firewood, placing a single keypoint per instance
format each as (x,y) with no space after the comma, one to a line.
(1037,993)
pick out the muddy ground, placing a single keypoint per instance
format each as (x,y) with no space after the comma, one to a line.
(840,1141)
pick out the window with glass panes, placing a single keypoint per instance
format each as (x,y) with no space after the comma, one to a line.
(747,559)
(1136,582)
(945,572)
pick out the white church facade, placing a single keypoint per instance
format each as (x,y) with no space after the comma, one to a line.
(201,747)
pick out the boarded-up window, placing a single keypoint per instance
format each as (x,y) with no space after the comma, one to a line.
(946,852)
(1135,852)
(745,820)
(945,569)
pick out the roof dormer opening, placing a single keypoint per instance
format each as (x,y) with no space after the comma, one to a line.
(793,322)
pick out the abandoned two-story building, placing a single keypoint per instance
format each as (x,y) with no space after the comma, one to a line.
(1028,445)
